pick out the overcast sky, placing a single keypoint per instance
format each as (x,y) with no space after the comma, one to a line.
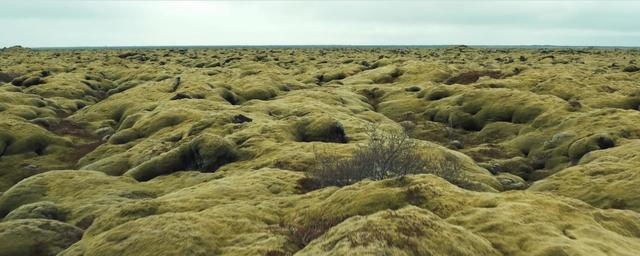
(297,22)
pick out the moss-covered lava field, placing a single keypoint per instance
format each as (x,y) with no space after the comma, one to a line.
(206,151)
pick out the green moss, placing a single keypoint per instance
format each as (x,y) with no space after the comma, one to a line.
(229,96)
(528,143)
(585,145)
(330,76)
(257,94)
(206,152)
(33,81)
(125,136)
(130,120)
(37,210)
(494,113)
(410,231)
(114,165)
(631,69)
(526,114)
(439,93)
(499,131)
(518,166)
(567,122)
(464,121)
(322,128)
(36,237)
(3,146)
(159,121)
(20,195)
(387,75)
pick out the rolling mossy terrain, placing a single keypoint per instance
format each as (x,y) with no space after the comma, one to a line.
(207,151)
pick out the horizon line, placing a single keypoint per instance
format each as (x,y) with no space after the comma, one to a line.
(325,46)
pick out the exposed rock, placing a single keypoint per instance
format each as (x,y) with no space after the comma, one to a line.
(631,69)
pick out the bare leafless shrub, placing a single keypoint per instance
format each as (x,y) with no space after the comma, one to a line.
(385,155)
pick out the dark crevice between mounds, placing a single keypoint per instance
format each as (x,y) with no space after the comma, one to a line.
(71,128)
(134,56)
(206,153)
(325,78)
(605,142)
(229,60)
(46,210)
(36,144)
(582,146)
(535,164)
(323,129)
(27,81)
(438,94)
(100,93)
(4,145)
(632,103)
(307,184)
(39,148)
(412,89)
(230,97)
(175,85)
(366,65)
(389,78)
(195,160)
(453,120)
(631,69)
(66,127)
(374,96)
(82,150)
(240,118)
(7,77)
(472,77)
(619,204)
(118,115)
(547,57)
(518,166)
(573,105)
(262,94)
(85,222)
(80,105)
(181,96)
(127,54)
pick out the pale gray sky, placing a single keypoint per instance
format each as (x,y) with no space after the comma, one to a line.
(143,23)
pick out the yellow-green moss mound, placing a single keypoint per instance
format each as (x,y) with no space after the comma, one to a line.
(206,151)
